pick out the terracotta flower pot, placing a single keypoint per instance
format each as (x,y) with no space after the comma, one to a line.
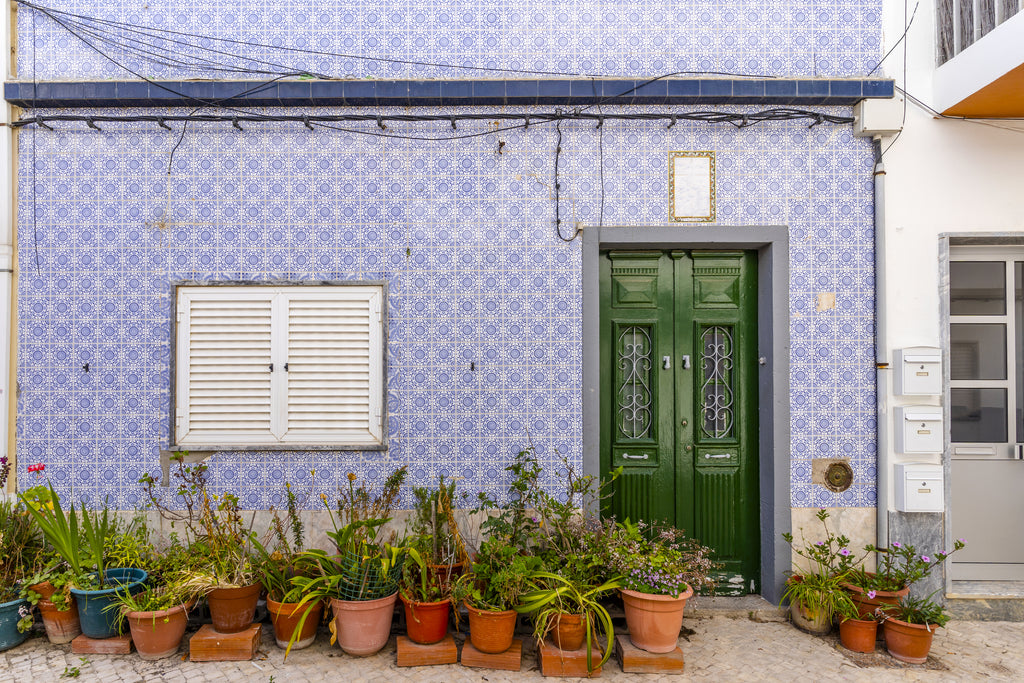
(232,609)
(426,622)
(363,626)
(866,606)
(61,626)
(491,632)
(157,634)
(654,621)
(909,643)
(858,634)
(45,589)
(286,617)
(815,622)
(568,631)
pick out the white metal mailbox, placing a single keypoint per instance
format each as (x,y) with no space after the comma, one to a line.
(918,371)
(919,429)
(919,487)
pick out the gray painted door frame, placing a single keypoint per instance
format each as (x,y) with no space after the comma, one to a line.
(772,246)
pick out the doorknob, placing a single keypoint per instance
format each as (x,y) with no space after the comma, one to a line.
(666,362)
(686,362)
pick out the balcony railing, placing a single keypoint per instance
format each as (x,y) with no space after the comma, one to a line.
(961,23)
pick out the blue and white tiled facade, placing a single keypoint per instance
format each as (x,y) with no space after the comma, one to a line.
(464,235)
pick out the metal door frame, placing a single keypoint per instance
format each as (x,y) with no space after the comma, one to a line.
(948,241)
(772,246)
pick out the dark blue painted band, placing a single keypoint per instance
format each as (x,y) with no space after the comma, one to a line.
(367,93)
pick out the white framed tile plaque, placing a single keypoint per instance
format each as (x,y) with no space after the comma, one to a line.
(691,187)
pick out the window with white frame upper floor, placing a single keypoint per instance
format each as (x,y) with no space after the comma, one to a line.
(279,367)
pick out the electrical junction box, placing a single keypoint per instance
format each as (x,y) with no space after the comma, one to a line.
(919,487)
(873,117)
(919,429)
(918,371)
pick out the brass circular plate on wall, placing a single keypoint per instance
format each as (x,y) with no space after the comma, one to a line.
(838,477)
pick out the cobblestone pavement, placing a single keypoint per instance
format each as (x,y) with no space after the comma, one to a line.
(719,648)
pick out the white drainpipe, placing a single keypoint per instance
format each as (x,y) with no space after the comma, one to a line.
(881,357)
(7,393)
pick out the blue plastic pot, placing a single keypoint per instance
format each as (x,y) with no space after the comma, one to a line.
(98,617)
(9,636)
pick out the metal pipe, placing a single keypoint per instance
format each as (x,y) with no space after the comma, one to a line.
(881,357)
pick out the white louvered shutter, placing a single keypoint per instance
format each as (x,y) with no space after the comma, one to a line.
(324,343)
(223,366)
(334,356)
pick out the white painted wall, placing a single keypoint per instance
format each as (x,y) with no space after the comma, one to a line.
(942,176)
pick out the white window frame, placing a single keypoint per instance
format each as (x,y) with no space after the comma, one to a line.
(277,401)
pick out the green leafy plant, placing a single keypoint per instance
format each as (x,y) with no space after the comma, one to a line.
(213,525)
(277,559)
(419,583)
(497,578)
(75,671)
(553,594)
(77,536)
(921,611)
(19,547)
(433,524)
(56,571)
(819,594)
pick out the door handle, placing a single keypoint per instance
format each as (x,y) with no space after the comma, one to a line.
(666,362)
(642,456)
(686,362)
(716,456)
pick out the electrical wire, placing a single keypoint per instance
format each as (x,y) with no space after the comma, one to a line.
(902,40)
(906,30)
(738,119)
(152,31)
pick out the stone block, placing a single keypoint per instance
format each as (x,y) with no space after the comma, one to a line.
(208,645)
(637,661)
(567,663)
(415,654)
(509,660)
(118,645)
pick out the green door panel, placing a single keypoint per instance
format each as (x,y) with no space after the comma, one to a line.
(678,398)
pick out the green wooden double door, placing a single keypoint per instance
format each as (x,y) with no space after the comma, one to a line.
(679,398)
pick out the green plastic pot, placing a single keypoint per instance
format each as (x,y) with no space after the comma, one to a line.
(97,613)
(9,636)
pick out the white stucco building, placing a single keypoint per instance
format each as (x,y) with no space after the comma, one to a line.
(950,223)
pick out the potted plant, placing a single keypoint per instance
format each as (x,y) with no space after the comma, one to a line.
(361,578)
(19,543)
(570,611)
(660,568)
(490,591)
(426,598)
(910,626)
(294,627)
(856,633)
(216,533)
(899,567)
(49,589)
(815,599)
(158,615)
(80,538)
(433,523)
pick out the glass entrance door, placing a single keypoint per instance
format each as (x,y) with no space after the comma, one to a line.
(986,403)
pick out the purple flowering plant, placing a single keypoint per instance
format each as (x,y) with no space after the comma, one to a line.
(899,566)
(831,556)
(660,560)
